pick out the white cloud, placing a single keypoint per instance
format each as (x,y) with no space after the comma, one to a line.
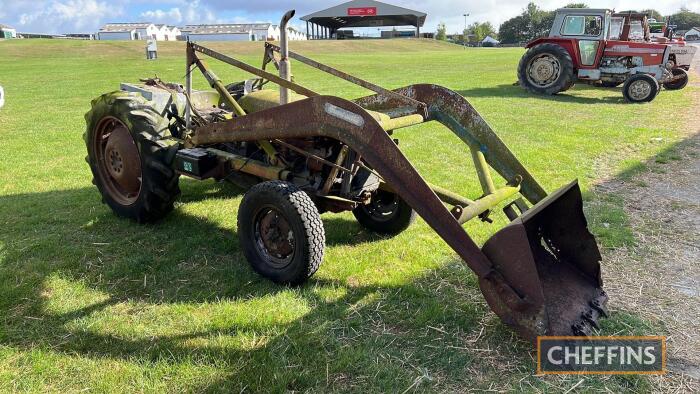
(188,12)
(172,16)
(60,16)
(63,16)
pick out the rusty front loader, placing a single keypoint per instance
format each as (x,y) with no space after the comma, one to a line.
(301,153)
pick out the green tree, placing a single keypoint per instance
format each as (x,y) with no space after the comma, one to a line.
(514,30)
(441,32)
(685,19)
(654,14)
(532,23)
(477,31)
(576,5)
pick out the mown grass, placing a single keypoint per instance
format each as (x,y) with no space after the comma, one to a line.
(89,301)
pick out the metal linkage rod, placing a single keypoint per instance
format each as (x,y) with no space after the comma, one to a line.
(350,78)
(254,70)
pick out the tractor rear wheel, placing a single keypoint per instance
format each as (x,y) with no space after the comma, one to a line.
(640,88)
(387,213)
(130,154)
(681,81)
(280,232)
(546,69)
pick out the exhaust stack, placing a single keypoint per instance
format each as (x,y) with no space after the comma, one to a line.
(285,65)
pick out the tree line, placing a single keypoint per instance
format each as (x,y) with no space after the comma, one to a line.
(535,22)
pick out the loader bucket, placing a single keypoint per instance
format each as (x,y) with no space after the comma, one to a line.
(551,260)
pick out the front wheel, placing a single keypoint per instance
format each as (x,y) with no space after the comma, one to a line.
(281,232)
(680,80)
(387,213)
(640,88)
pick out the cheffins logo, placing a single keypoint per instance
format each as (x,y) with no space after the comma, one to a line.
(601,355)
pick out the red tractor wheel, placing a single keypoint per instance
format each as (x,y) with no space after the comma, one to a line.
(640,88)
(680,80)
(546,69)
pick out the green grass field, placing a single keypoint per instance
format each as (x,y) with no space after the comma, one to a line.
(91,302)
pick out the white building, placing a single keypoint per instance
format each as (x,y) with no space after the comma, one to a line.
(222,32)
(7,31)
(692,34)
(237,32)
(264,31)
(130,31)
(171,33)
(295,35)
(166,33)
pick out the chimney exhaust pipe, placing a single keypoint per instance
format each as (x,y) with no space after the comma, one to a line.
(285,66)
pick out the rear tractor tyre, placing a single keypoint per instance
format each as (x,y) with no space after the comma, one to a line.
(281,232)
(546,69)
(130,153)
(640,88)
(679,83)
(386,214)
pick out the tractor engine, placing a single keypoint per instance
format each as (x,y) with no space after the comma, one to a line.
(624,62)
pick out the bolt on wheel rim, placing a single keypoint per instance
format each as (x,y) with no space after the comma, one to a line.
(544,70)
(118,161)
(274,237)
(640,90)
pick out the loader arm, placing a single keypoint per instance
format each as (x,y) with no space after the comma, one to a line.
(457,114)
(329,116)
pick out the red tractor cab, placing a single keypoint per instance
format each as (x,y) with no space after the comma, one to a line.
(580,49)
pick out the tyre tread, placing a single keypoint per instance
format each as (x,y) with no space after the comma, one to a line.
(160,188)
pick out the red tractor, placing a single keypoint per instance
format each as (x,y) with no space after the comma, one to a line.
(636,26)
(580,48)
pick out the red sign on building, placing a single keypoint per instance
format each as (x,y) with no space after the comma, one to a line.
(364,11)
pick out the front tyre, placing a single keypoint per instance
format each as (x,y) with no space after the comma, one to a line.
(130,153)
(640,88)
(280,232)
(546,69)
(680,80)
(387,213)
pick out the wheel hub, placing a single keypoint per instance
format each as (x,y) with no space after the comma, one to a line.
(118,161)
(122,159)
(544,70)
(275,235)
(383,206)
(639,90)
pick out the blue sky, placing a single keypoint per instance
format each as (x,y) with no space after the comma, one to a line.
(82,16)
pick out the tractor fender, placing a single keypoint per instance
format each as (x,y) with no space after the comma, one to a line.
(566,43)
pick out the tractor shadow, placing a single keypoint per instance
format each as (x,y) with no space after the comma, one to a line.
(354,332)
(67,238)
(570,96)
